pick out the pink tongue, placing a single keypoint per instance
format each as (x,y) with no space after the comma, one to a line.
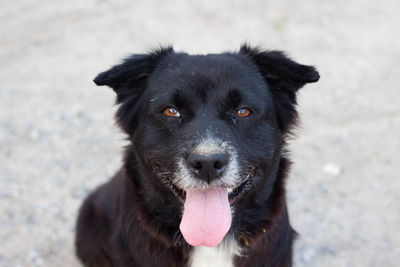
(207,217)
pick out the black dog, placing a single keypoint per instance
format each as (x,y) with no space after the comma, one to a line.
(203,177)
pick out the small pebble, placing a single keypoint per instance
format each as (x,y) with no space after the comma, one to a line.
(332,168)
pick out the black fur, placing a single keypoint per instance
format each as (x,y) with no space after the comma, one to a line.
(133,220)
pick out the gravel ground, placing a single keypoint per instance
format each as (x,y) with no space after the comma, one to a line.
(58,140)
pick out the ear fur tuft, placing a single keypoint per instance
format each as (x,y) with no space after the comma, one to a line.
(284,78)
(129,77)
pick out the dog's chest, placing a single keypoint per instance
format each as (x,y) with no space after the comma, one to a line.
(214,257)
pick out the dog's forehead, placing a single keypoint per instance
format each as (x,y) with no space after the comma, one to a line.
(212,72)
(211,65)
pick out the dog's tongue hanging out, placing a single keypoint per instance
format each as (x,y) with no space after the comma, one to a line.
(206,217)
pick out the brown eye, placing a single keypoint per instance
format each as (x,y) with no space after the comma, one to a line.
(243,112)
(171,112)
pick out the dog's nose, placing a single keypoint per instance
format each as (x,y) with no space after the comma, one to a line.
(208,167)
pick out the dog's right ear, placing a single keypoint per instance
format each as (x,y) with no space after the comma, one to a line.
(130,77)
(284,78)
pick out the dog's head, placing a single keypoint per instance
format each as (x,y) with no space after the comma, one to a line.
(208,126)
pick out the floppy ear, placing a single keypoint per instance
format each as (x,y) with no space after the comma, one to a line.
(130,77)
(284,78)
(129,80)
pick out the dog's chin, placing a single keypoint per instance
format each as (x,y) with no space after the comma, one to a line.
(234,193)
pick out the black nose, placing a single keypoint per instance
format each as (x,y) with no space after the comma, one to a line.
(208,167)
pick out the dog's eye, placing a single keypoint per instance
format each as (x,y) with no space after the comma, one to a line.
(171,112)
(243,112)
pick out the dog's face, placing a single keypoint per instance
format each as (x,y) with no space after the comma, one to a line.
(209,121)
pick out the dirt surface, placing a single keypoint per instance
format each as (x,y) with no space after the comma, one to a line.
(58,140)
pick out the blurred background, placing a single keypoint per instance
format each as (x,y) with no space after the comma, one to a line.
(58,140)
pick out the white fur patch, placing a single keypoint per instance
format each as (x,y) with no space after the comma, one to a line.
(209,147)
(220,256)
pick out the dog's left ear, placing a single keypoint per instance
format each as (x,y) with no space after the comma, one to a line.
(130,77)
(129,81)
(284,77)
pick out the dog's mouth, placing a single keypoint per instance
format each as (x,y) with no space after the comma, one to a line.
(207,212)
(233,192)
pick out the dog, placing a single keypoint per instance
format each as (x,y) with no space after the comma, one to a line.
(202,183)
